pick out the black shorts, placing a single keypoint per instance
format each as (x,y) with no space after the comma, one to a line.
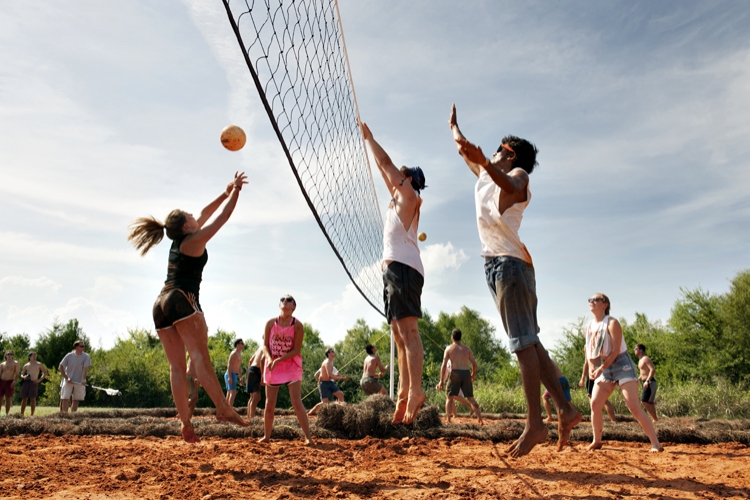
(589,387)
(402,292)
(460,381)
(174,305)
(253,380)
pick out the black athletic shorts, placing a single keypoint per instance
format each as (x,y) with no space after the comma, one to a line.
(589,387)
(460,381)
(252,380)
(174,305)
(402,292)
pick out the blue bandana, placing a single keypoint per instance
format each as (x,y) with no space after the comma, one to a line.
(417,179)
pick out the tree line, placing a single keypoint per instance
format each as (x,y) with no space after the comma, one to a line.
(706,339)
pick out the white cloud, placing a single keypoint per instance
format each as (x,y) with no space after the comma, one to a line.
(439,257)
(39,284)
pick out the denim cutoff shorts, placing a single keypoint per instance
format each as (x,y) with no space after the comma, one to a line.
(622,370)
(513,286)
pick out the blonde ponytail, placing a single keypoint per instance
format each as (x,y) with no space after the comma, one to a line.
(145,232)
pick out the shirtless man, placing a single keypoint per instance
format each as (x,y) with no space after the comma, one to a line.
(501,194)
(326,385)
(403,275)
(234,371)
(193,384)
(370,375)
(648,370)
(32,373)
(462,375)
(9,370)
(254,379)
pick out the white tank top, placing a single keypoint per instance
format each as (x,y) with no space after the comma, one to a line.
(399,244)
(499,232)
(593,330)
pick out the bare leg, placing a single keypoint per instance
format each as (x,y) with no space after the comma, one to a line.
(175,351)
(194,335)
(414,360)
(548,409)
(33,405)
(610,411)
(272,393)
(252,404)
(74,406)
(23,404)
(450,409)
(192,397)
(295,394)
(535,431)
(630,395)
(567,416)
(340,396)
(8,401)
(315,408)
(403,374)
(464,402)
(650,408)
(598,397)
(475,407)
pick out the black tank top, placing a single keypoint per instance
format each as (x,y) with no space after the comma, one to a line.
(183,271)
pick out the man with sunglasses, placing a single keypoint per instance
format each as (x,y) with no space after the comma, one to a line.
(403,275)
(501,196)
(9,370)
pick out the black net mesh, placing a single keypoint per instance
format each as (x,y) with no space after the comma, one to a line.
(294,51)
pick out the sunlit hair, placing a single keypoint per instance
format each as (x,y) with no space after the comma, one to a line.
(78,342)
(329,351)
(145,232)
(525,152)
(606,301)
(369,349)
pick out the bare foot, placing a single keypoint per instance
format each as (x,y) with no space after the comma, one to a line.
(656,449)
(412,407)
(264,439)
(188,434)
(400,410)
(479,418)
(527,441)
(565,423)
(595,446)
(232,417)
(548,420)
(448,418)
(308,442)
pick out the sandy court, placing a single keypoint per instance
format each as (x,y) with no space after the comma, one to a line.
(95,467)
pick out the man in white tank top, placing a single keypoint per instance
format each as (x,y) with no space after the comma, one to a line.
(501,195)
(403,275)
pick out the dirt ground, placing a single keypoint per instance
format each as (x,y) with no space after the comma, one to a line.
(97,467)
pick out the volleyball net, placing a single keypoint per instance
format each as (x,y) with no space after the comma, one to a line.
(296,55)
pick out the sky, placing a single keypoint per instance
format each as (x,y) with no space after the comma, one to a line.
(112,110)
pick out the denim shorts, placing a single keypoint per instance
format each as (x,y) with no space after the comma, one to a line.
(513,286)
(622,370)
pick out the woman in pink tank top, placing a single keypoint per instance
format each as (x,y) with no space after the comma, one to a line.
(282,342)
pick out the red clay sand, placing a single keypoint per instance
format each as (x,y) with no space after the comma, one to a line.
(98,467)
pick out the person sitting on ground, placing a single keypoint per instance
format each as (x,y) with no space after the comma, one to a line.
(193,384)
(32,373)
(403,275)
(9,370)
(588,382)
(234,371)
(546,396)
(372,371)
(610,365)
(73,368)
(282,342)
(326,385)
(647,372)
(462,375)
(177,313)
(254,379)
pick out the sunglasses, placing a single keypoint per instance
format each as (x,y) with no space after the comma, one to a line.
(595,299)
(286,299)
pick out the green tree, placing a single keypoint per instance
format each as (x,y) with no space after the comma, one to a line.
(735,315)
(569,353)
(350,353)
(55,343)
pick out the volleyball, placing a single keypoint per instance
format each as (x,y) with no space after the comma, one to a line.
(233,137)
(422,236)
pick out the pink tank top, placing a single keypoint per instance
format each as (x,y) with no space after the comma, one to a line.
(281,342)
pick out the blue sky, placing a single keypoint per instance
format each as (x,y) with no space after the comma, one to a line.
(111,111)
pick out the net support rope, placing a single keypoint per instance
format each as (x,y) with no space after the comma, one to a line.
(296,55)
